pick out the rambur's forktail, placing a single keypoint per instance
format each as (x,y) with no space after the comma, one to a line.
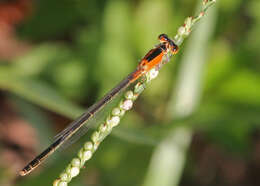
(154,58)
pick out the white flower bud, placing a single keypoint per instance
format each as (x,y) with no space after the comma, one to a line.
(74,171)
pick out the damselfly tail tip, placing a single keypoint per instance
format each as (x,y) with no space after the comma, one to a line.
(23,173)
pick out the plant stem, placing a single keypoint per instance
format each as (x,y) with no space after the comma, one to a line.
(86,152)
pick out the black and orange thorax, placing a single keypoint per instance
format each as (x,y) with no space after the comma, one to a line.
(153,58)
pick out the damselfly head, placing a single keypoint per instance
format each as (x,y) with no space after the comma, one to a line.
(172,47)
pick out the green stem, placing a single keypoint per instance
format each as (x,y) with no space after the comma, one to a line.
(185,30)
(86,152)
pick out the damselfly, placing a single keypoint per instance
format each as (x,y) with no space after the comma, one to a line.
(153,59)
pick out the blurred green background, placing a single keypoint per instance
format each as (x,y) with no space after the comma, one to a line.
(196,124)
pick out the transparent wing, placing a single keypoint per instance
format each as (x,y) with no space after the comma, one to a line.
(94,115)
(80,126)
(91,122)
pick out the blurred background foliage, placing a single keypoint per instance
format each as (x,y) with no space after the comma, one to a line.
(58,57)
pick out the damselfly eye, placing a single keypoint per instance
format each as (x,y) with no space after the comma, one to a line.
(163,38)
(174,49)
